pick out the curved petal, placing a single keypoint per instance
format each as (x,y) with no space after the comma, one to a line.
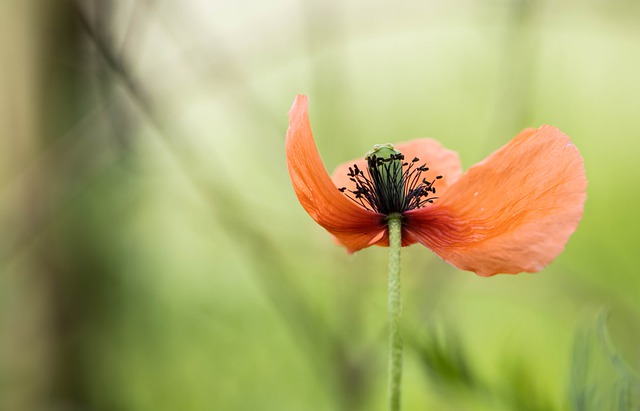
(512,212)
(441,162)
(353,226)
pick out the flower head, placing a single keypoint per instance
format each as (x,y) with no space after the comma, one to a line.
(512,212)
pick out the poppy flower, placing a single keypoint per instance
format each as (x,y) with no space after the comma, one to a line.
(512,212)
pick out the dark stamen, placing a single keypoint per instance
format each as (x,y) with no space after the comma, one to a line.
(390,185)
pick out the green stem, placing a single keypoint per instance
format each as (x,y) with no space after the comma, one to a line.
(394,222)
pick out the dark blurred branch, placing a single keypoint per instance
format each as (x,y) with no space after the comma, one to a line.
(270,262)
(116,64)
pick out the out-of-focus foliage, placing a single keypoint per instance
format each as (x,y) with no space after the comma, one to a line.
(153,255)
(600,377)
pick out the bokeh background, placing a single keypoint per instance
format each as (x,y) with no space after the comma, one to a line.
(153,255)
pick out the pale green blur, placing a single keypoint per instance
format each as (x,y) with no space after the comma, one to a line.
(153,254)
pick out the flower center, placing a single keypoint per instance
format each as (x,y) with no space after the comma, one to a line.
(390,184)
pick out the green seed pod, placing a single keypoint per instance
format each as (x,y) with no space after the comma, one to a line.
(385,167)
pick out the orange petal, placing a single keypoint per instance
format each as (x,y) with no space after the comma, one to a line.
(512,212)
(353,226)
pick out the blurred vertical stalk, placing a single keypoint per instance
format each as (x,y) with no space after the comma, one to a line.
(512,104)
(24,338)
(326,42)
(59,106)
(62,251)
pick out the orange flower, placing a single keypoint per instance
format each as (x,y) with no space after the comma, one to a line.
(512,212)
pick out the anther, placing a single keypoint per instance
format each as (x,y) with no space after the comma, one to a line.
(389,184)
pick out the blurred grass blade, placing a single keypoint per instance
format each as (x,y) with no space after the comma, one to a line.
(627,389)
(443,358)
(600,377)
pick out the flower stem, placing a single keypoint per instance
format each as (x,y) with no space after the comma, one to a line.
(394,222)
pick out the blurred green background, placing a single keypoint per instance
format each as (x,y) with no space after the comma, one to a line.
(153,255)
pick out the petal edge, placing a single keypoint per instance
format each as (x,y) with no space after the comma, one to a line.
(353,226)
(512,212)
